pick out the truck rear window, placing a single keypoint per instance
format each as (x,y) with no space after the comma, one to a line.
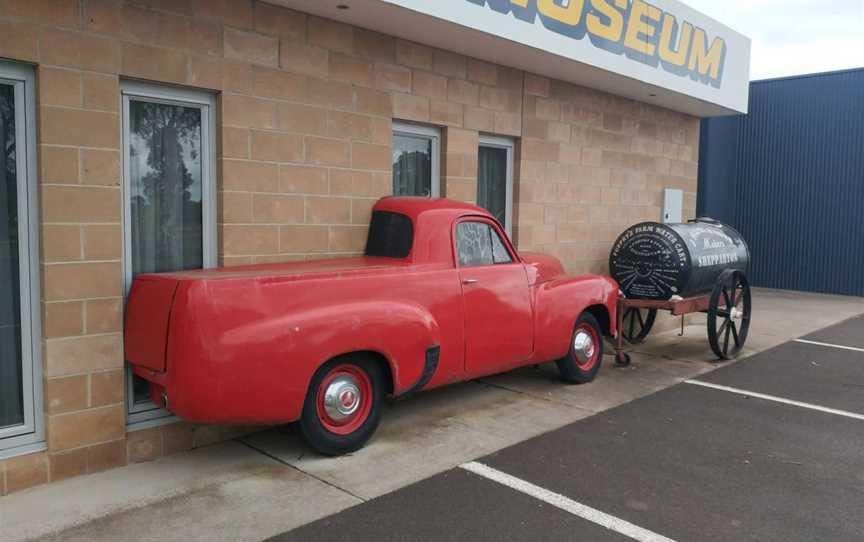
(390,235)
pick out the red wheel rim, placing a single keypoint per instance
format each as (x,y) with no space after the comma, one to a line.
(590,350)
(344,399)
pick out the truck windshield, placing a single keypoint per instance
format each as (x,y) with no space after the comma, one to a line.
(390,235)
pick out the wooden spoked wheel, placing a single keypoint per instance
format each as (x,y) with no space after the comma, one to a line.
(637,323)
(729,314)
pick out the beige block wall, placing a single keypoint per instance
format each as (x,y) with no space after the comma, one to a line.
(593,164)
(305,112)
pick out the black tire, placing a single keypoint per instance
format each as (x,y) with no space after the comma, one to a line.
(315,430)
(569,367)
(637,323)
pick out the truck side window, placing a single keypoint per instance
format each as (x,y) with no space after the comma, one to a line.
(499,251)
(479,244)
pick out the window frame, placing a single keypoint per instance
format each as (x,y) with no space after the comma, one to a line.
(508,144)
(428,132)
(514,256)
(142,415)
(29,436)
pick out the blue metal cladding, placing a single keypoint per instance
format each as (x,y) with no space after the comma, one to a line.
(790,177)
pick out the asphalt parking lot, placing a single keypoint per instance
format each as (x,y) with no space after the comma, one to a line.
(770,448)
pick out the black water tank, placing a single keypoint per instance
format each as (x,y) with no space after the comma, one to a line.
(658,261)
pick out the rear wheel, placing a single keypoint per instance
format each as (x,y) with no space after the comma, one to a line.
(582,362)
(343,405)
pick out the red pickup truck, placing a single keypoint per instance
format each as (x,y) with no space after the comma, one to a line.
(440,296)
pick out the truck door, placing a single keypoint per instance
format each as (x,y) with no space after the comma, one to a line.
(499,324)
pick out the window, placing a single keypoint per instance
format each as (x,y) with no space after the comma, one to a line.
(416,160)
(479,244)
(21,428)
(495,179)
(390,235)
(169,194)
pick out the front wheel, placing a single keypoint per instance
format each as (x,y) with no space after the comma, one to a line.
(582,362)
(343,405)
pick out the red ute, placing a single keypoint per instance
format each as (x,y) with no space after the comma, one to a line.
(440,296)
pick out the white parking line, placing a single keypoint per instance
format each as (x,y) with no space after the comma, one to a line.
(810,406)
(829,345)
(568,505)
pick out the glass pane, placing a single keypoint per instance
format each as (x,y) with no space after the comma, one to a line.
(474,244)
(11,384)
(412,165)
(140,390)
(492,182)
(166,191)
(391,235)
(499,251)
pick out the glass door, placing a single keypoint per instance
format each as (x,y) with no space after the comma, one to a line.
(20,367)
(169,219)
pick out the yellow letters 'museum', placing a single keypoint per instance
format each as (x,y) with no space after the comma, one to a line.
(637,29)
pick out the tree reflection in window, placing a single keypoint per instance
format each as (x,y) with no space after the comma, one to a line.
(412,165)
(165,178)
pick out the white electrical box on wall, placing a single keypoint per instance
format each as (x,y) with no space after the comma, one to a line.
(673,205)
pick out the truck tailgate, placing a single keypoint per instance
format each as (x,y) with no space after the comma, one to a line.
(148,312)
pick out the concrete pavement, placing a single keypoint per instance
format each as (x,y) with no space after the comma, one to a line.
(270,483)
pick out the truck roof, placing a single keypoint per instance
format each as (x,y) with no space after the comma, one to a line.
(414,206)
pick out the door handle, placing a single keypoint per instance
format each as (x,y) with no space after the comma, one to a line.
(470,281)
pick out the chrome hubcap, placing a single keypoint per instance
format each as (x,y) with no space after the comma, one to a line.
(342,398)
(583,346)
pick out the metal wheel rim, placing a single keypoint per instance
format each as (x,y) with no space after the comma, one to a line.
(585,354)
(344,399)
